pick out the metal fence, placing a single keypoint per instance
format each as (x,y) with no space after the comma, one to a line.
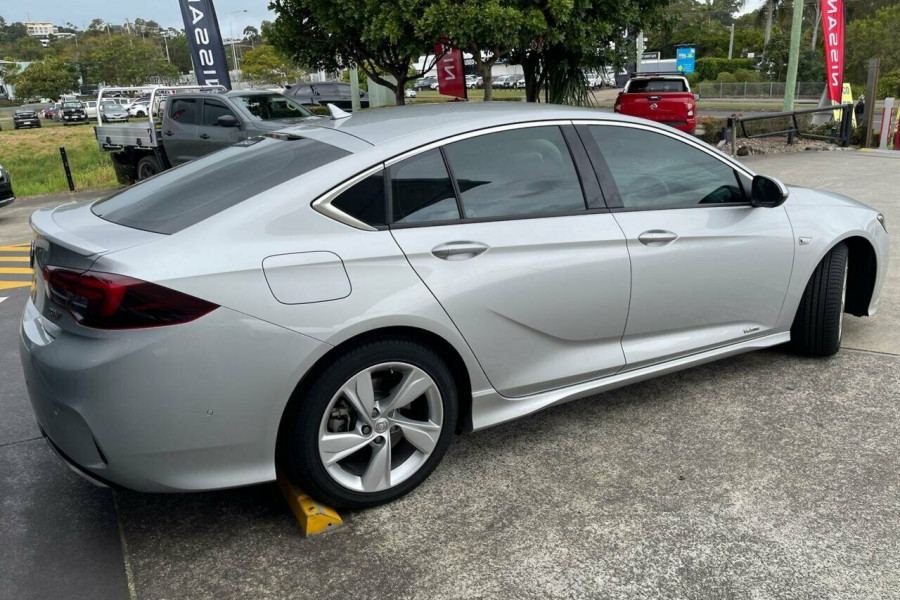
(770,89)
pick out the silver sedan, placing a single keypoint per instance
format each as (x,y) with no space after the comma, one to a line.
(341,298)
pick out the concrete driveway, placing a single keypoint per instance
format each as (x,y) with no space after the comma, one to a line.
(761,476)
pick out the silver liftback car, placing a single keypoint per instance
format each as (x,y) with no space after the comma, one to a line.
(344,296)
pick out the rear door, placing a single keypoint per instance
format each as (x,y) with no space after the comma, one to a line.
(213,136)
(518,249)
(180,129)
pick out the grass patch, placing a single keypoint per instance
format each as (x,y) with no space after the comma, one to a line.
(32,158)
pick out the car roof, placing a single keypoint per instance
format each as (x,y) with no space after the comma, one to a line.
(429,122)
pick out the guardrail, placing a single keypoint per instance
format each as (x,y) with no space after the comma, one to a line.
(840,134)
(758,89)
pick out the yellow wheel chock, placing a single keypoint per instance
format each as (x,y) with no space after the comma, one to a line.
(314,518)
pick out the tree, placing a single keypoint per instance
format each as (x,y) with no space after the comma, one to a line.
(378,37)
(252,36)
(812,61)
(26,49)
(873,37)
(124,60)
(264,64)
(48,78)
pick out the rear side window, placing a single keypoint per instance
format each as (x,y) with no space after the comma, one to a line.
(185,110)
(421,190)
(364,201)
(184,196)
(520,172)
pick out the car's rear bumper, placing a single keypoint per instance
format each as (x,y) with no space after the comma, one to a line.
(181,408)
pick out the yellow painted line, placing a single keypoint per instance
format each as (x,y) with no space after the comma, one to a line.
(314,518)
(16,271)
(4,259)
(16,248)
(9,285)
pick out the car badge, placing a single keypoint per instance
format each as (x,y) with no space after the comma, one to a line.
(654,106)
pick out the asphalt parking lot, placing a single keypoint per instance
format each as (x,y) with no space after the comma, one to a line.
(761,476)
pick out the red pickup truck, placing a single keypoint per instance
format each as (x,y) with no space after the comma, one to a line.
(662,98)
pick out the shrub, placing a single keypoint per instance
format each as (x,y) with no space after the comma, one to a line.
(889,85)
(709,68)
(746,75)
(726,77)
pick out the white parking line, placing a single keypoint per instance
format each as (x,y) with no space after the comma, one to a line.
(2,298)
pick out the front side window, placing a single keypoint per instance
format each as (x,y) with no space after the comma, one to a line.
(212,111)
(421,190)
(519,172)
(653,170)
(271,107)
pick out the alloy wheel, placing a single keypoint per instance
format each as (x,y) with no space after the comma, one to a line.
(380,427)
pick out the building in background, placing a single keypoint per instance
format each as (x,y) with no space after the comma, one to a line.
(40,29)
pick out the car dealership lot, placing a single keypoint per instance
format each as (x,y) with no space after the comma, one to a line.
(764,475)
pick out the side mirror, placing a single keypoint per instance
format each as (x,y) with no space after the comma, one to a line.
(227,121)
(696,97)
(767,192)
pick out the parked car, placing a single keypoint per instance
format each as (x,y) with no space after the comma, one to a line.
(329,92)
(25,117)
(6,192)
(73,113)
(409,93)
(111,111)
(512,81)
(48,112)
(57,111)
(139,108)
(195,124)
(665,99)
(500,82)
(266,304)
(424,83)
(477,82)
(520,83)
(470,81)
(90,107)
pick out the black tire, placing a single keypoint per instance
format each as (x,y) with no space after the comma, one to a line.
(818,324)
(299,453)
(147,167)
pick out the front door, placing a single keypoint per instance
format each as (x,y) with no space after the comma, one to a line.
(212,136)
(708,269)
(536,283)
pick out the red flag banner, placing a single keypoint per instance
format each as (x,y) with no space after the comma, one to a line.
(450,74)
(833,30)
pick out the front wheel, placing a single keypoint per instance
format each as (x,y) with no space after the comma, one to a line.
(372,426)
(819,322)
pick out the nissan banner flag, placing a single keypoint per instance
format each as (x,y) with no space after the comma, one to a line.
(205,42)
(833,29)
(450,74)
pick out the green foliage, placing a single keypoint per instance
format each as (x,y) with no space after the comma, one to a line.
(708,69)
(747,75)
(265,64)
(121,60)
(50,78)
(812,61)
(889,85)
(379,37)
(873,37)
(726,77)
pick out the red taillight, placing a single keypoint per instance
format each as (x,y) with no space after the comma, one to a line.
(108,301)
(617,107)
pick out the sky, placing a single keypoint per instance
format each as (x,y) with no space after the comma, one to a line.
(165,12)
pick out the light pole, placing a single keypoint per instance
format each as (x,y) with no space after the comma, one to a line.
(231,32)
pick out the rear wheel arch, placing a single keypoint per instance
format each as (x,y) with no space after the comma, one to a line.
(433,341)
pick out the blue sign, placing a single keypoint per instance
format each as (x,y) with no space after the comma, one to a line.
(684,59)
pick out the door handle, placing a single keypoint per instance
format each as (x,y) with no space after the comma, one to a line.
(458,250)
(657,237)
(169,133)
(204,136)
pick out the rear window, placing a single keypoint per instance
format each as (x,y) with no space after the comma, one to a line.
(186,195)
(642,86)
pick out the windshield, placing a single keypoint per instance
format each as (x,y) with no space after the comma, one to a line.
(271,107)
(640,86)
(24,111)
(73,105)
(109,104)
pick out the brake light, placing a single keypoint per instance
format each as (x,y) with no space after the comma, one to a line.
(617,107)
(108,301)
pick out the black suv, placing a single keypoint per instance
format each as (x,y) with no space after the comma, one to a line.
(424,83)
(25,117)
(72,113)
(327,92)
